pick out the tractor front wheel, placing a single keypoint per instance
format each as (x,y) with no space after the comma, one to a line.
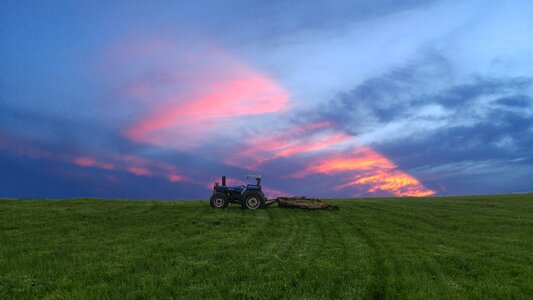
(218,200)
(253,200)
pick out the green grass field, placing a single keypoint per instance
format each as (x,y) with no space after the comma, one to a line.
(455,247)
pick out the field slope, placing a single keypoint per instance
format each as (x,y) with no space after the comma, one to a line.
(456,247)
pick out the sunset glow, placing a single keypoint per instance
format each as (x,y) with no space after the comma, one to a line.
(337,99)
(250,95)
(366,168)
(139,171)
(362,159)
(85,161)
(207,95)
(296,140)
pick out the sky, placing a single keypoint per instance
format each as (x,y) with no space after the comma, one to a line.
(158,99)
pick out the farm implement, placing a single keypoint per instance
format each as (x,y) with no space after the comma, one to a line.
(251,196)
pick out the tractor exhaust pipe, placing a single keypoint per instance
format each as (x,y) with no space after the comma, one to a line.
(223,180)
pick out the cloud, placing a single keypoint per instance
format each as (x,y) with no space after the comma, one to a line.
(365,168)
(357,98)
(184,95)
(85,161)
(422,123)
(286,142)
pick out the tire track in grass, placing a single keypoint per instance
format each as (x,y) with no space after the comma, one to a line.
(178,246)
(337,249)
(301,271)
(356,254)
(397,229)
(247,231)
(273,242)
(394,248)
(279,222)
(376,285)
(409,236)
(380,272)
(344,250)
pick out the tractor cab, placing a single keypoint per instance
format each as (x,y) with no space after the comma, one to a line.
(257,185)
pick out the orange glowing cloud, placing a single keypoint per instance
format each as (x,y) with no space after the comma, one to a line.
(395,181)
(362,159)
(365,168)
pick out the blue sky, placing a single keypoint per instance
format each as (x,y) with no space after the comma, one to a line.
(157,99)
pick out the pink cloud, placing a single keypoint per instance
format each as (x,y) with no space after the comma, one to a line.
(250,95)
(84,161)
(24,148)
(175,178)
(139,171)
(291,141)
(148,167)
(182,93)
(183,96)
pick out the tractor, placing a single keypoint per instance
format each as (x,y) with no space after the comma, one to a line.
(250,196)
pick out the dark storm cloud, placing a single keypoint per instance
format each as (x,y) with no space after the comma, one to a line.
(39,152)
(52,128)
(485,124)
(521,101)
(29,177)
(276,20)
(32,168)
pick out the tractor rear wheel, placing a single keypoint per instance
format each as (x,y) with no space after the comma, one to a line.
(219,200)
(253,200)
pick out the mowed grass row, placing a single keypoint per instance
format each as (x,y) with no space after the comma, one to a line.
(457,247)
